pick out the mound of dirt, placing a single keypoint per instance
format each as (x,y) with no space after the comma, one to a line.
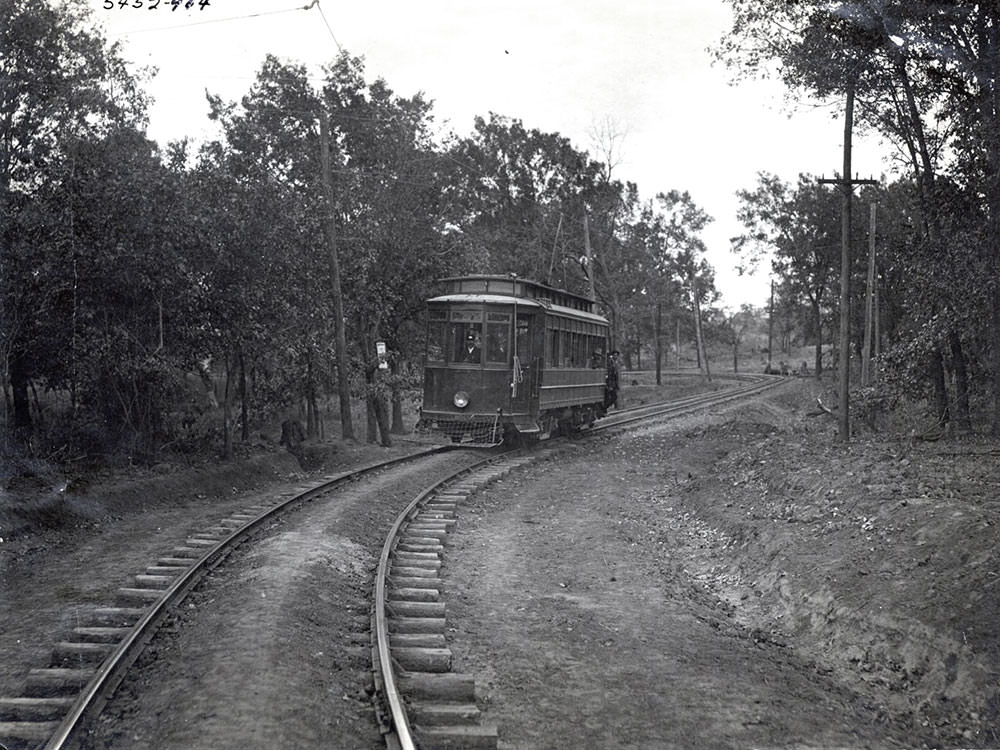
(877,558)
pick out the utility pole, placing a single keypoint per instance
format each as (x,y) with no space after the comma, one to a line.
(330,229)
(659,348)
(866,353)
(770,328)
(846,184)
(677,342)
(878,327)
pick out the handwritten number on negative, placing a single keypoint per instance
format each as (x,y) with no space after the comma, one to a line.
(154,4)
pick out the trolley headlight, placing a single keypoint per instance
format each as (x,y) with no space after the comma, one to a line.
(461,399)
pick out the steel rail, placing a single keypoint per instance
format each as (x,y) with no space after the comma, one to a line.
(398,733)
(401,733)
(112,670)
(688,403)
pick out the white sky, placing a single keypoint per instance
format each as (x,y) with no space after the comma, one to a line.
(561,66)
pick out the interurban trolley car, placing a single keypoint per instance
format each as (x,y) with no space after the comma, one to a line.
(512,358)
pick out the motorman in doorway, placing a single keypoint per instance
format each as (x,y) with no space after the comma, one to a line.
(612,382)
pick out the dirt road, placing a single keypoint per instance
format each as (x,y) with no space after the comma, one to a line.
(736,582)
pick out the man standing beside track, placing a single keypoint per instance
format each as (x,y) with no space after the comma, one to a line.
(613,380)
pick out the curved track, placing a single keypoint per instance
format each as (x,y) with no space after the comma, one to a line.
(411,661)
(419,696)
(421,703)
(749,385)
(59,701)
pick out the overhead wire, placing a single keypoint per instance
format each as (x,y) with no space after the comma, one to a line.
(217,20)
(333,36)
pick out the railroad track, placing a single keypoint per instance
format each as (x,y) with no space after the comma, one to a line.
(59,700)
(421,703)
(748,385)
(410,661)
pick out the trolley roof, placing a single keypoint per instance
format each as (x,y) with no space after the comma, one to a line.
(512,286)
(506,299)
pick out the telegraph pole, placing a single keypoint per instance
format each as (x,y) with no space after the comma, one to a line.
(659,343)
(846,184)
(330,228)
(866,352)
(770,328)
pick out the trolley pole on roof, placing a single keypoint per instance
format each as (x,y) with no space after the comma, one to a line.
(590,256)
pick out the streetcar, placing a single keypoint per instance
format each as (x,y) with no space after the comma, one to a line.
(512,359)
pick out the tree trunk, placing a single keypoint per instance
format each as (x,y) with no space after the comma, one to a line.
(659,342)
(23,425)
(942,412)
(989,29)
(244,400)
(371,422)
(227,412)
(378,415)
(312,429)
(398,427)
(382,419)
(702,354)
(818,315)
(330,229)
(963,418)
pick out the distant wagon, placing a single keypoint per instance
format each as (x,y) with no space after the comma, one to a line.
(512,358)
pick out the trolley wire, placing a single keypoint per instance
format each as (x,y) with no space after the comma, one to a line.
(220,20)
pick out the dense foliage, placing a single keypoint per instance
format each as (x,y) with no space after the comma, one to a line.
(925,77)
(174,297)
(156,297)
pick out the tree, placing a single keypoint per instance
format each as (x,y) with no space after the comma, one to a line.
(390,207)
(739,323)
(270,275)
(62,86)
(684,222)
(926,77)
(799,226)
(516,195)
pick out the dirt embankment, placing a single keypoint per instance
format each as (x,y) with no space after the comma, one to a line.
(877,559)
(806,593)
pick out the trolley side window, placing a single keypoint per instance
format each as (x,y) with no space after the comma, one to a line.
(436,325)
(595,345)
(465,337)
(566,346)
(553,358)
(497,337)
(523,338)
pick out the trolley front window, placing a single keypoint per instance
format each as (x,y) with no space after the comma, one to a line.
(465,337)
(437,323)
(497,337)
